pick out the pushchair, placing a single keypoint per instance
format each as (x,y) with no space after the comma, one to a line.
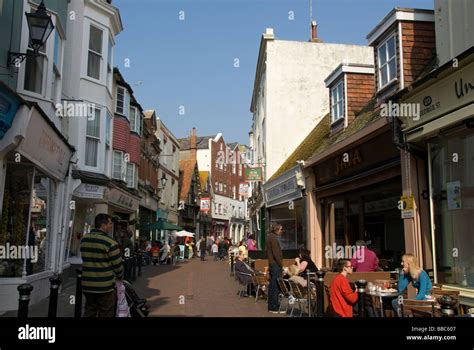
(138,306)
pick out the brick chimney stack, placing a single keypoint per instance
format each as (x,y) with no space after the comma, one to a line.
(193,143)
(314,33)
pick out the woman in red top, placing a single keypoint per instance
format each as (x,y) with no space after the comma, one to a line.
(341,294)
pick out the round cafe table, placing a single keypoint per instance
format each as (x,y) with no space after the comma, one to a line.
(383,297)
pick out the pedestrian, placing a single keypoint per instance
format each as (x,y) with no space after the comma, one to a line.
(275,261)
(210,242)
(202,248)
(251,243)
(164,252)
(341,294)
(155,253)
(364,260)
(215,251)
(101,268)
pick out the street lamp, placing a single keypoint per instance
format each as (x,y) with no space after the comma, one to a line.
(164,179)
(40,27)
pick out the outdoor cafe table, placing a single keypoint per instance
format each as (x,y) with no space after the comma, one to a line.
(383,297)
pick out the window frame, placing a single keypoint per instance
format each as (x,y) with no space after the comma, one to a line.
(126,102)
(100,55)
(387,62)
(339,101)
(93,137)
(121,165)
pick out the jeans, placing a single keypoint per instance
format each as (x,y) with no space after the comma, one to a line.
(275,273)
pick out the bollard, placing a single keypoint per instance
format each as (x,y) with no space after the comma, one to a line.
(320,294)
(232,264)
(24,300)
(53,296)
(78,301)
(140,262)
(361,284)
(308,291)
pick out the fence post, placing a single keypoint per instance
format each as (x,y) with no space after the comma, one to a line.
(53,296)
(320,293)
(308,286)
(24,300)
(78,301)
(361,297)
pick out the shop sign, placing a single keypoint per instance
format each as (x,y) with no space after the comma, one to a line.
(244,189)
(122,199)
(453,190)
(253,174)
(205,204)
(407,207)
(42,146)
(447,94)
(90,191)
(347,160)
(8,107)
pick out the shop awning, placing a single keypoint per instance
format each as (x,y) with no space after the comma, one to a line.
(161,225)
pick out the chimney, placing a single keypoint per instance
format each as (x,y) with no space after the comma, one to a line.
(314,33)
(193,143)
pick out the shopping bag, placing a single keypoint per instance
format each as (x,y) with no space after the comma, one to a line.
(122,306)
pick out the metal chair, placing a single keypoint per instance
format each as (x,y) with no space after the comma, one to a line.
(426,306)
(284,293)
(299,297)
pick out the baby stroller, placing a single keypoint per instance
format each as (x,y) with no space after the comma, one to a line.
(138,306)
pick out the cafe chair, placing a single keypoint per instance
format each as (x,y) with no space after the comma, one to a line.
(284,293)
(426,306)
(261,283)
(241,276)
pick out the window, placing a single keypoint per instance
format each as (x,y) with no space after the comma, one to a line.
(220,186)
(35,70)
(118,168)
(337,102)
(216,186)
(108,129)
(122,106)
(234,192)
(387,62)
(94,60)
(234,165)
(133,119)
(132,172)
(57,63)
(240,169)
(92,138)
(109,56)
(174,148)
(225,188)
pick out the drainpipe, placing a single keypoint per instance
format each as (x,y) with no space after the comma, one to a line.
(432,222)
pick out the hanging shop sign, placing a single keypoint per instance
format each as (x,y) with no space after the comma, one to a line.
(285,188)
(122,199)
(43,147)
(244,188)
(205,204)
(253,174)
(90,191)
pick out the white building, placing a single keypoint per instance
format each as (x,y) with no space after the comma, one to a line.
(169,168)
(89,61)
(289,95)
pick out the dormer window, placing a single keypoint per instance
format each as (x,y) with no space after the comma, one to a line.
(337,102)
(387,61)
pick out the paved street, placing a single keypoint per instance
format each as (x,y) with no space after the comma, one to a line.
(197,289)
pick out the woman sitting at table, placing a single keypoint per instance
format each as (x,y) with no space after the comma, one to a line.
(412,273)
(303,262)
(293,273)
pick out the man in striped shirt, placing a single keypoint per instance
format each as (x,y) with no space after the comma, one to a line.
(101,267)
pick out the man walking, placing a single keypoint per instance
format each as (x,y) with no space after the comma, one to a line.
(275,262)
(101,267)
(202,248)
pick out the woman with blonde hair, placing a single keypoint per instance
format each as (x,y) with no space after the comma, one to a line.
(414,274)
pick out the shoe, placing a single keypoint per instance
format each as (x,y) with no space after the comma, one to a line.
(277,312)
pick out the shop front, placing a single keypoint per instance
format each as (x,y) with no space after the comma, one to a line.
(286,206)
(147,216)
(34,190)
(357,192)
(445,131)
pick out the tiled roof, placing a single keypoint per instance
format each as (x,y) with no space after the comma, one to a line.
(202,142)
(232,145)
(319,139)
(186,169)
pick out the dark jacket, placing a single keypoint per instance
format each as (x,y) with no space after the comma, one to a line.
(202,245)
(274,254)
(243,269)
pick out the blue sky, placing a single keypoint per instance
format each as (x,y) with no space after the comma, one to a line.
(190,62)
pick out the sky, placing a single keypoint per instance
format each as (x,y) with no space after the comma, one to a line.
(194,61)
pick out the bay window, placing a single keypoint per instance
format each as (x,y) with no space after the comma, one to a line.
(122,105)
(92,138)
(337,102)
(94,60)
(132,175)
